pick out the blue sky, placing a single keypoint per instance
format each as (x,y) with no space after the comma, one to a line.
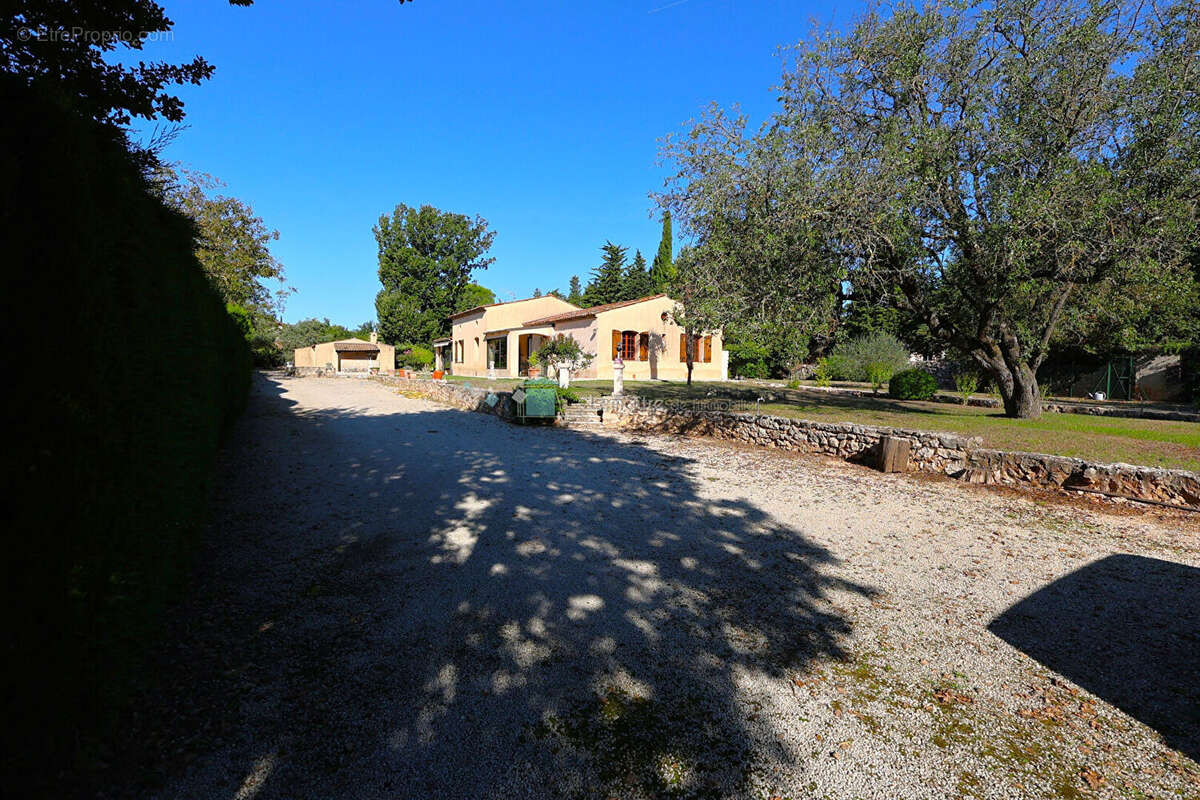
(542,117)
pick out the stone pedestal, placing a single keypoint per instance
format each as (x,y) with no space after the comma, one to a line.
(564,377)
(618,378)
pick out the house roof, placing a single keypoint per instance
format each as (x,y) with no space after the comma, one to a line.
(458,314)
(350,345)
(589,312)
(443,340)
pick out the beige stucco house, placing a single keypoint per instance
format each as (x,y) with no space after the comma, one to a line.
(348,356)
(496,340)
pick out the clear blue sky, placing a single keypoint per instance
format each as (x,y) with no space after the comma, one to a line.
(542,117)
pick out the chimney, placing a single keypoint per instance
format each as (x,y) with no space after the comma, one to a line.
(374,337)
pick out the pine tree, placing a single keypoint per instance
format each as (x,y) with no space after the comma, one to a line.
(638,282)
(575,295)
(663,270)
(608,278)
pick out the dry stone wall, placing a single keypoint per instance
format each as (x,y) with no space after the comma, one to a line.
(960,457)
(931,452)
(458,395)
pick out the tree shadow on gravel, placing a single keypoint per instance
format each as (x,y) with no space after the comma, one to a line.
(440,604)
(1127,629)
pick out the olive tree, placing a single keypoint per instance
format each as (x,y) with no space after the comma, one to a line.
(999,164)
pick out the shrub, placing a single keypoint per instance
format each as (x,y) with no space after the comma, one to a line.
(564,397)
(878,350)
(879,373)
(749,360)
(793,384)
(564,351)
(912,384)
(965,383)
(839,368)
(417,357)
(823,373)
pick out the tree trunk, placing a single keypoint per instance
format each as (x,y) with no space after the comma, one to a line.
(690,350)
(1025,399)
(1017,384)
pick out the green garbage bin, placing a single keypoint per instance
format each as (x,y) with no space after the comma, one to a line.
(539,401)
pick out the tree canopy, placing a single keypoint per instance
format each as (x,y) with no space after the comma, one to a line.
(426,257)
(232,242)
(473,296)
(608,279)
(1000,166)
(575,292)
(637,281)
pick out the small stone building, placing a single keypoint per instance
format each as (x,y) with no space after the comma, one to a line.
(347,356)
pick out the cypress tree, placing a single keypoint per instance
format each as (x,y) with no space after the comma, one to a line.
(662,272)
(576,293)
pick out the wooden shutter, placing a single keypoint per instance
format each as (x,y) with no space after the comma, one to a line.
(707,349)
(616,343)
(682,347)
(643,347)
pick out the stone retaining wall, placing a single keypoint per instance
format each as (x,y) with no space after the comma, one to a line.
(957,456)
(960,457)
(930,452)
(1171,486)
(467,398)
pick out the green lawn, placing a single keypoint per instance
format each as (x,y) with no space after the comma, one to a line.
(1134,441)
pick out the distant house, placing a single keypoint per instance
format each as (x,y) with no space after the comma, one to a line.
(347,356)
(496,340)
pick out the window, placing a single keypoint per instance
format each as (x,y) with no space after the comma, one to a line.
(459,346)
(701,349)
(629,345)
(498,353)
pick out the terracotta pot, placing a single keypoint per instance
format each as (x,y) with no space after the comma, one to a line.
(533,372)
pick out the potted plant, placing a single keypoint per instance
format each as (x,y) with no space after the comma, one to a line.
(564,354)
(534,369)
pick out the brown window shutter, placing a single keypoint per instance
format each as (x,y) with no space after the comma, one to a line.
(682,347)
(707,349)
(643,347)
(616,341)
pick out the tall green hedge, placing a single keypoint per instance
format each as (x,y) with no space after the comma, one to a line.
(123,372)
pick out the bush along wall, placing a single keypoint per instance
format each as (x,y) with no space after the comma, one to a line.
(128,371)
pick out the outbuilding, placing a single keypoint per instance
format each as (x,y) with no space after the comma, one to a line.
(347,356)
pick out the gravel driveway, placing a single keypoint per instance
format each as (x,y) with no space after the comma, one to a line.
(396,599)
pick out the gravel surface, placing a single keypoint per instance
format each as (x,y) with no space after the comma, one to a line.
(396,599)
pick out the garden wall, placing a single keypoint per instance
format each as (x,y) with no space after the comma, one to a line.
(458,395)
(961,457)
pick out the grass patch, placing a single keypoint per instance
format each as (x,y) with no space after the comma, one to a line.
(1157,443)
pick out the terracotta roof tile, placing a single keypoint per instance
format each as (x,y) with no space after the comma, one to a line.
(457,314)
(590,312)
(349,345)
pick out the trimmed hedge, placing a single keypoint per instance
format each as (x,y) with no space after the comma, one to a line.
(128,371)
(912,384)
